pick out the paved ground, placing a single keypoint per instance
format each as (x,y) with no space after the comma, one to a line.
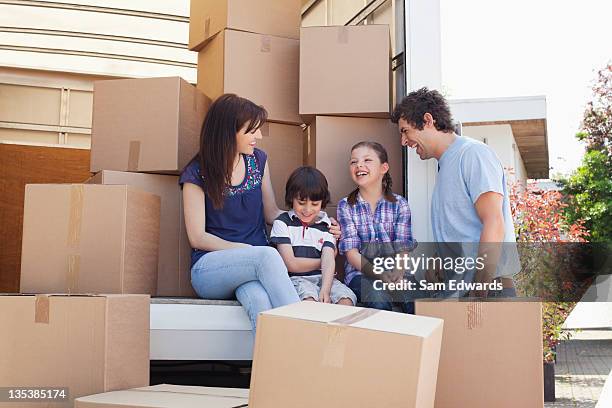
(583,365)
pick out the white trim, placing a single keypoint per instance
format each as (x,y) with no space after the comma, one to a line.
(200,332)
(498,109)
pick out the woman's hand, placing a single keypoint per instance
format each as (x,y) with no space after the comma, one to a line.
(334,229)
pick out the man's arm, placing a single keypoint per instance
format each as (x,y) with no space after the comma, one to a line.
(489,210)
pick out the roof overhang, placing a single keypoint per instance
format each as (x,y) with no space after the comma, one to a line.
(526,116)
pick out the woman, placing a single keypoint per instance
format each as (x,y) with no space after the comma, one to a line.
(228,199)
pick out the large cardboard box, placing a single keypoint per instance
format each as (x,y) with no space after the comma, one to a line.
(345,70)
(258,67)
(312,354)
(273,17)
(147,125)
(168,396)
(174,266)
(21,165)
(89,344)
(81,238)
(329,141)
(284,145)
(491,353)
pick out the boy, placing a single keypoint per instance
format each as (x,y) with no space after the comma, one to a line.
(303,240)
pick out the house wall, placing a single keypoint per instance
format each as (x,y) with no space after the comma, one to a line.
(501,140)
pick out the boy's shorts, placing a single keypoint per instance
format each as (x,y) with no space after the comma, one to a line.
(310,286)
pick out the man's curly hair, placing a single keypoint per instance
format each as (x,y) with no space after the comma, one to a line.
(418,103)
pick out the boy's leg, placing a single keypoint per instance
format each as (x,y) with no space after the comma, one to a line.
(254,298)
(305,288)
(341,294)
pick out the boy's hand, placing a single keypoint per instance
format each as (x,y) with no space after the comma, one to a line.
(334,229)
(324,295)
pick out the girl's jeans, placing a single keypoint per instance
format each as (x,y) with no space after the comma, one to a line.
(256,276)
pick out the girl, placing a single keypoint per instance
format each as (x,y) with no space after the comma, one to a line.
(228,198)
(373,220)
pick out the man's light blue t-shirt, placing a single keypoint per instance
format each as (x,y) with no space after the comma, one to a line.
(469,168)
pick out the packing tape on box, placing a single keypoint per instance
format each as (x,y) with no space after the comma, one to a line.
(75,222)
(333,355)
(207,27)
(76,216)
(265,129)
(41,309)
(343,35)
(133,155)
(72,274)
(474,315)
(266,43)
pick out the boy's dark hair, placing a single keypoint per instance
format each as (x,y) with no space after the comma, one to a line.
(307,183)
(416,104)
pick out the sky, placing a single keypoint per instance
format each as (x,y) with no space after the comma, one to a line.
(500,48)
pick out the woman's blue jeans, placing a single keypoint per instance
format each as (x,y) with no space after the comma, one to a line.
(256,276)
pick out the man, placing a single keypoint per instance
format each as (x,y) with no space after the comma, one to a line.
(470,203)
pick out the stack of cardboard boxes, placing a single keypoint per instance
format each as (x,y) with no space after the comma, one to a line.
(122,231)
(92,254)
(252,49)
(345,97)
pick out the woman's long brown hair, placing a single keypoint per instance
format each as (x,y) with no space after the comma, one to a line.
(226,116)
(387,183)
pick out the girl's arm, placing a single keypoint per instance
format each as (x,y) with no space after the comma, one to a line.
(271,210)
(195,222)
(295,264)
(360,263)
(403,229)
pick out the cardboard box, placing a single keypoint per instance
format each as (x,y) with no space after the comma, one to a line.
(491,353)
(89,344)
(312,354)
(261,68)
(81,238)
(345,70)
(273,17)
(330,140)
(167,396)
(21,165)
(174,266)
(284,145)
(147,125)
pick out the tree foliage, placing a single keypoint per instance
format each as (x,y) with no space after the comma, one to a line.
(589,188)
(539,217)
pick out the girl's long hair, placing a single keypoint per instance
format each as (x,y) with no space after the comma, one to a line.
(226,116)
(387,183)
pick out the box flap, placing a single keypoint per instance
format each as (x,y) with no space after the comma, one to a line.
(401,323)
(370,319)
(313,311)
(170,396)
